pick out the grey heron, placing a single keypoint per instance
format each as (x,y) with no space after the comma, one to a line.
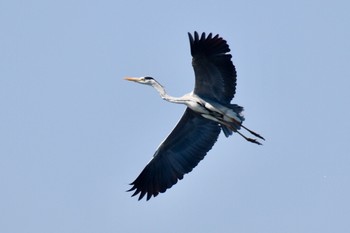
(208,112)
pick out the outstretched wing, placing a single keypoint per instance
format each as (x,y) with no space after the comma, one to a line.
(213,68)
(178,154)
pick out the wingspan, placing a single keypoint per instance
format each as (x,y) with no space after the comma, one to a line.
(179,153)
(213,68)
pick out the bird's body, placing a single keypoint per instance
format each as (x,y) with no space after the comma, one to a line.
(230,117)
(208,111)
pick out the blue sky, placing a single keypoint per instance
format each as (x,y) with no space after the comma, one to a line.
(74,134)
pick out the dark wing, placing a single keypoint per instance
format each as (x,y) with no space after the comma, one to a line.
(213,68)
(179,153)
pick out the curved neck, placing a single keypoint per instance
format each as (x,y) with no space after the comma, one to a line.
(165,96)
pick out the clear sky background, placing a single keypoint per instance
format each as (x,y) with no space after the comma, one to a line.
(74,134)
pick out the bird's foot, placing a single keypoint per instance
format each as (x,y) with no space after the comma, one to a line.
(253,140)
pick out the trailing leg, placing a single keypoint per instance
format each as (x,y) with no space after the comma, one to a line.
(252,132)
(253,140)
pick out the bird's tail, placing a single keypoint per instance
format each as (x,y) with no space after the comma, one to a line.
(236,124)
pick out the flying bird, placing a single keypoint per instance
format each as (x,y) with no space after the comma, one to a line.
(208,112)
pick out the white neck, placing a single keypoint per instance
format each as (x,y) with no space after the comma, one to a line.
(165,96)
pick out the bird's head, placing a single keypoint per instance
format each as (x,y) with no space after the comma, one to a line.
(143,80)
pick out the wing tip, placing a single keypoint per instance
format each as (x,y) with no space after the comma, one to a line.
(207,44)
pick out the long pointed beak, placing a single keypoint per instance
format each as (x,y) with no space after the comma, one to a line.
(132,79)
